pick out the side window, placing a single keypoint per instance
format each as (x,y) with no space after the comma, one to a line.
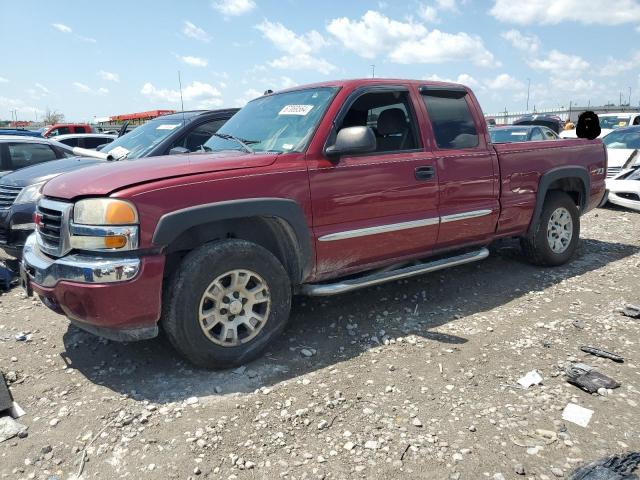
(80,130)
(95,142)
(27,154)
(636,121)
(193,140)
(549,135)
(451,120)
(59,131)
(390,116)
(72,142)
(536,135)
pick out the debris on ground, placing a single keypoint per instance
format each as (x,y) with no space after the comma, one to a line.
(598,352)
(617,467)
(531,378)
(9,428)
(574,413)
(5,396)
(632,311)
(588,379)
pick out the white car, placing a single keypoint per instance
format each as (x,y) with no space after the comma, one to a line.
(609,122)
(86,140)
(623,169)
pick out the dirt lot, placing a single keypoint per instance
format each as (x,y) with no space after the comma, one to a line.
(415,379)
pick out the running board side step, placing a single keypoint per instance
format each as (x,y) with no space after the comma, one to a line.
(326,289)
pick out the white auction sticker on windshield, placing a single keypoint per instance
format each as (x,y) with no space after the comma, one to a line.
(118,152)
(518,133)
(167,126)
(295,110)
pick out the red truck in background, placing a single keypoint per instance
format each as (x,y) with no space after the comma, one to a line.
(315,190)
(66,128)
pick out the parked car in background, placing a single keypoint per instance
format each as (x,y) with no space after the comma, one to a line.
(610,122)
(621,145)
(524,133)
(318,190)
(20,190)
(19,151)
(624,188)
(550,121)
(20,132)
(65,129)
(86,140)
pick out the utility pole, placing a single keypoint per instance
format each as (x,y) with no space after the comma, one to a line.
(629,97)
(528,89)
(373,71)
(620,99)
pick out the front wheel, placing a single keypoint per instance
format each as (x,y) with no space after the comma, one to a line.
(553,239)
(225,303)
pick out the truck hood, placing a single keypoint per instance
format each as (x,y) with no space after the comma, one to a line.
(111,176)
(46,171)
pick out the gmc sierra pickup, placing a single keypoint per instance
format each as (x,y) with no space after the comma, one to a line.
(315,190)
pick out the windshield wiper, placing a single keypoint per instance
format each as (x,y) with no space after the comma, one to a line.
(244,143)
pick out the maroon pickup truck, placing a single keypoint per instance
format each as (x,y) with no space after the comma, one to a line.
(316,190)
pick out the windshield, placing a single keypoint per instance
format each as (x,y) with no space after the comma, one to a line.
(142,139)
(508,135)
(630,140)
(613,122)
(281,122)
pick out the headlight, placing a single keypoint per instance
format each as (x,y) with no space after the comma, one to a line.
(30,194)
(104,224)
(104,211)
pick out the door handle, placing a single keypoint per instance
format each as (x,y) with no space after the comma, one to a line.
(425,173)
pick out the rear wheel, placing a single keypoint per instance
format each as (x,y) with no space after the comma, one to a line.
(225,303)
(553,239)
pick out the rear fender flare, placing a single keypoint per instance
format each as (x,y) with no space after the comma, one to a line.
(558,174)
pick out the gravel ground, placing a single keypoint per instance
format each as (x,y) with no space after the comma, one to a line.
(414,379)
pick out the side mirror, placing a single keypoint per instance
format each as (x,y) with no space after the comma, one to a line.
(178,151)
(352,140)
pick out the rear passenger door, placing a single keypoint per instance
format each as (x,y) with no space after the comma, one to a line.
(467,167)
(376,206)
(23,155)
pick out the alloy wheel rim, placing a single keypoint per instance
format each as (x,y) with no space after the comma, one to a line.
(234,308)
(560,230)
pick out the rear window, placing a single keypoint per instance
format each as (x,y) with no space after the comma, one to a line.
(451,119)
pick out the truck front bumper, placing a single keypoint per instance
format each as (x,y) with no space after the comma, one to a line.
(114,297)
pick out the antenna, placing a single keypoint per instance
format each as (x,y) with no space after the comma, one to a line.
(181,101)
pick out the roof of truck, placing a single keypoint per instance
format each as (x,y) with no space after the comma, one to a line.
(370,81)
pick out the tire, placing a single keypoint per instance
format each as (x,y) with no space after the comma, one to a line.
(538,247)
(201,327)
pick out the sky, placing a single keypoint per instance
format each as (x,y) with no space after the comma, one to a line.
(88,60)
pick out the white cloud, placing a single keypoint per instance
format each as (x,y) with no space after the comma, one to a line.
(61,27)
(83,88)
(86,39)
(560,64)
(615,67)
(193,31)
(463,78)
(194,61)
(526,43)
(297,47)
(447,5)
(374,33)
(234,7)
(553,12)
(42,88)
(286,82)
(247,96)
(288,41)
(302,61)
(504,81)
(429,13)
(407,42)
(4,80)
(109,76)
(199,94)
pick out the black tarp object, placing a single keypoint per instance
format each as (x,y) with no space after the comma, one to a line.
(5,396)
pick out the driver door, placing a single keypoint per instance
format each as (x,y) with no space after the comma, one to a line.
(373,207)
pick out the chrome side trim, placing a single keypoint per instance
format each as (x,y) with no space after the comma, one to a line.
(464,216)
(391,227)
(325,289)
(47,272)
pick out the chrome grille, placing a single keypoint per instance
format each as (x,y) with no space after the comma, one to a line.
(52,226)
(613,171)
(8,195)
